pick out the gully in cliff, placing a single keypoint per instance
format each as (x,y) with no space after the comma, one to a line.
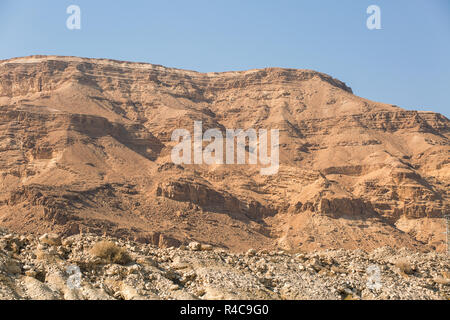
(214,152)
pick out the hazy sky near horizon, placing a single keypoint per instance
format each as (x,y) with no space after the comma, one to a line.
(406,63)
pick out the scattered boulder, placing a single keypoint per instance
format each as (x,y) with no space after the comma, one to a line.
(50,239)
(206,247)
(195,246)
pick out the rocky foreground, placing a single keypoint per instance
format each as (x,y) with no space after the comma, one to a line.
(93,267)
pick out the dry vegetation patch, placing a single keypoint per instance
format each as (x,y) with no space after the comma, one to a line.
(110,252)
(405,266)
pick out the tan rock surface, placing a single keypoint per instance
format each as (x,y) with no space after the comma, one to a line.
(154,273)
(85,147)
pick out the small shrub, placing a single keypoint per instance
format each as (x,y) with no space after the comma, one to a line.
(404,266)
(47,257)
(110,253)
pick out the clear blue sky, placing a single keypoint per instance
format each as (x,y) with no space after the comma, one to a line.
(407,63)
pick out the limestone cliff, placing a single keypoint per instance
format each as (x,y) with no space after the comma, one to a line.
(85,147)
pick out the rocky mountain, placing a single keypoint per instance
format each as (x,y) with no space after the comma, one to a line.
(85,146)
(81,267)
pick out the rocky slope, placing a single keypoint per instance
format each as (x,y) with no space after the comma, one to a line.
(85,147)
(55,268)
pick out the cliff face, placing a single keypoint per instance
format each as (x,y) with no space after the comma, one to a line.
(85,145)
